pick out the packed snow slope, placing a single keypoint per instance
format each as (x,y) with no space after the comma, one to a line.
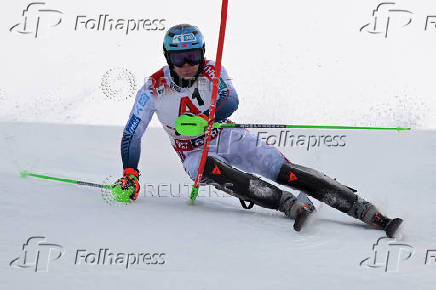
(213,244)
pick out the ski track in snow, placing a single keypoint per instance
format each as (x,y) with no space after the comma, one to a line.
(213,244)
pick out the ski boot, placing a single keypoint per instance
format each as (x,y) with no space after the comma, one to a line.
(369,214)
(298,208)
(336,195)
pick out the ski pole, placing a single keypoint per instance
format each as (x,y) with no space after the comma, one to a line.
(120,195)
(191,125)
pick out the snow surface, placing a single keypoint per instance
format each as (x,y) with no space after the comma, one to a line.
(213,244)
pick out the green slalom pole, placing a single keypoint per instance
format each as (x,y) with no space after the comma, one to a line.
(191,125)
(223,125)
(120,195)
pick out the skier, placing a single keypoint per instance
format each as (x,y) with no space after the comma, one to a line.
(184,86)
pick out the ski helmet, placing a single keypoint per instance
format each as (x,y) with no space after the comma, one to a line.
(183,37)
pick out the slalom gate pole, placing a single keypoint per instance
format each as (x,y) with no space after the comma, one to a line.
(216,81)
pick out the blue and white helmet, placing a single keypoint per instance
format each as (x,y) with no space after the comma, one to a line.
(183,37)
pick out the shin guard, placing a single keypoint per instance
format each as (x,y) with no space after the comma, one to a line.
(327,190)
(242,185)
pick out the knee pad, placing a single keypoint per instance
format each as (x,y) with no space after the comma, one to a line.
(245,186)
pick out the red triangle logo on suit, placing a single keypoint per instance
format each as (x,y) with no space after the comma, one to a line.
(292,177)
(216,170)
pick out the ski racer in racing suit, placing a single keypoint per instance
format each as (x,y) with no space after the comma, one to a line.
(185,86)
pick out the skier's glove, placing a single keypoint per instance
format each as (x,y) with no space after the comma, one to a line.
(129,180)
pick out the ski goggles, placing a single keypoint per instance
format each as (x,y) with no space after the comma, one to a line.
(192,57)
